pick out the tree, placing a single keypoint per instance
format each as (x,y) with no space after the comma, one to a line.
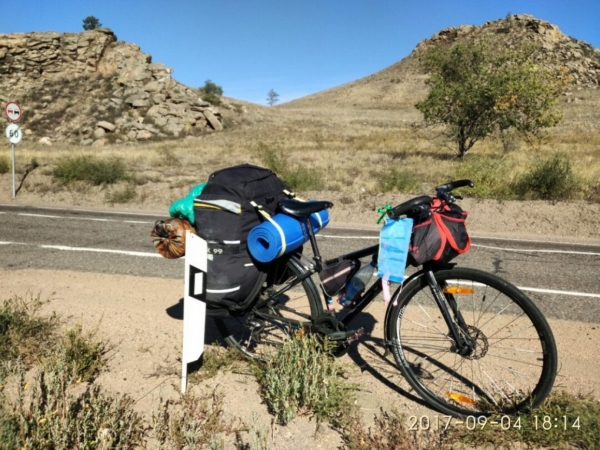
(211,92)
(477,90)
(91,23)
(272,97)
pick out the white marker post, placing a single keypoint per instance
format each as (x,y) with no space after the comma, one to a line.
(194,308)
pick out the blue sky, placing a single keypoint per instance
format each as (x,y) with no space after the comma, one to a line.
(297,47)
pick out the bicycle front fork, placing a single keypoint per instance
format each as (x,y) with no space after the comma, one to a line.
(456,325)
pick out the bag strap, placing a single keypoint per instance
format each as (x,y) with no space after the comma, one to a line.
(267,216)
(447,236)
(293,195)
(443,232)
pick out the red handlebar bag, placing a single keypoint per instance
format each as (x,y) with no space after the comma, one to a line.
(440,237)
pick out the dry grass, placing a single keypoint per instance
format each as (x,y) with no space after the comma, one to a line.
(353,150)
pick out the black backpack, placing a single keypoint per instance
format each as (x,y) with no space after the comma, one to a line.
(224,215)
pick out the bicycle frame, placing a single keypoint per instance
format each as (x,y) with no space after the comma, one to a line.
(445,302)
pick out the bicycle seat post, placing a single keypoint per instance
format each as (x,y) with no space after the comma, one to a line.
(313,243)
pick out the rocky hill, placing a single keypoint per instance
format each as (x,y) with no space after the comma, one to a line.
(91,89)
(403,84)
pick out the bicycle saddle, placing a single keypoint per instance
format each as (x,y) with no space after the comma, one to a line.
(301,210)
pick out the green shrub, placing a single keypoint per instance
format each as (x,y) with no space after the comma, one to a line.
(215,359)
(301,178)
(296,176)
(83,354)
(193,422)
(544,427)
(125,194)
(592,193)
(51,414)
(211,92)
(4,165)
(272,156)
(399,180)
(90,169)
(22,329)
(389,432)
(550,179)
(302,377)
(491,176)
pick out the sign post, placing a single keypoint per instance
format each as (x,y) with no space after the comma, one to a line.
(13,134)
(194,308)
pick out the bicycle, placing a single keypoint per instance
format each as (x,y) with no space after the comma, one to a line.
(468,342)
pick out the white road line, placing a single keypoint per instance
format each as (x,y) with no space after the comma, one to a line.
(329,236)
(97,211)
(543,291)
(554,291)
(535,250)
(537,241)
(156,255)
(93,219)
(570,252)
(85,249)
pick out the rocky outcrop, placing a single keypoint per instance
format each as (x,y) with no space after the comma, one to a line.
(88,87)
(555,48)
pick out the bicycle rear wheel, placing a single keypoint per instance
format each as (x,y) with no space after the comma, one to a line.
(511,364)
(263,330)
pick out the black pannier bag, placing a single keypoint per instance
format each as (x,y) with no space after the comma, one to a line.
(439,237)
(223,217)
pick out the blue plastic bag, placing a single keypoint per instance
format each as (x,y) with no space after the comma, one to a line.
(394,240)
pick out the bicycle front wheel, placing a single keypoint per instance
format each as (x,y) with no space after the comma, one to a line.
(510,364)
(260,332)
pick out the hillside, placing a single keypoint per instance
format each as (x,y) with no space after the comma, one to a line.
(91,89)
(401,85)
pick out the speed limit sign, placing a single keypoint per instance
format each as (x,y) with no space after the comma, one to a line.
(13,133)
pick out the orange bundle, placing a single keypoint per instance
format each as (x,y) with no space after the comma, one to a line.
(169,237)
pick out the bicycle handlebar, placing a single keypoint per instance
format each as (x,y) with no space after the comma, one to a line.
(414,206)
(408,206)
(449,187)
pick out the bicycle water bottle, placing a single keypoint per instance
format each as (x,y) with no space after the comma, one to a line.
(357,285)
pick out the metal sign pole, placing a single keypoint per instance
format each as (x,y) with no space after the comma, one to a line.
(14,135)
(13,170)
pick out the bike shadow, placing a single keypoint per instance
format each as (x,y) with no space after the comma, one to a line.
(378,363)
(212,334)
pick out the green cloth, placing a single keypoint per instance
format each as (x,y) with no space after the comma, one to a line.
(184,207)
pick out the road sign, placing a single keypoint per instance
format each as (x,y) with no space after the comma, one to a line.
(13,111)
(13,133)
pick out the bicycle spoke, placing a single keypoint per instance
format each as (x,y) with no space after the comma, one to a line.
(501,360)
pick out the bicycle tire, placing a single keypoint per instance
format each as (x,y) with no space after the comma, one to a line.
(512,365)
(255,336)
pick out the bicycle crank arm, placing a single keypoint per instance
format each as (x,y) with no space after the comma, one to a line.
(350,335)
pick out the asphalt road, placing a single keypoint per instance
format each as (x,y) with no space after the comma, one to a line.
(561,278)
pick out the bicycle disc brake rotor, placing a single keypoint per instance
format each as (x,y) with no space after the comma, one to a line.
(480,344)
